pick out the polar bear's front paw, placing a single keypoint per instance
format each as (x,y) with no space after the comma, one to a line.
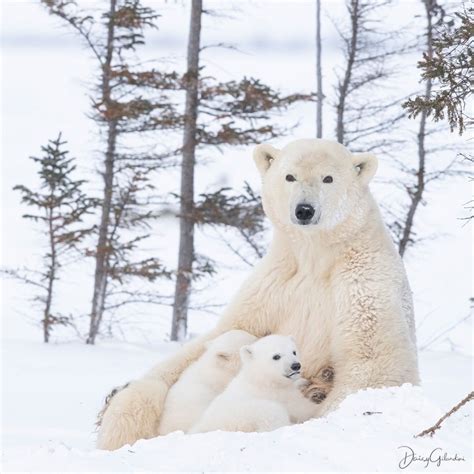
(318,396)
(319,386)
(315,392)
(327,374)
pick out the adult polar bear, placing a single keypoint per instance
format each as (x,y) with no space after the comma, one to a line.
(331,278)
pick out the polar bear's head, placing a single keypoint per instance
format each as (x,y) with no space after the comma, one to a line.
(223,352)
(312,183)
(272,358)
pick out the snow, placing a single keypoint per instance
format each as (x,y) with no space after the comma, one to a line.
(52,394)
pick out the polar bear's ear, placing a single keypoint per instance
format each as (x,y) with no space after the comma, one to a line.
(246,353)
(365,165)
(264,155)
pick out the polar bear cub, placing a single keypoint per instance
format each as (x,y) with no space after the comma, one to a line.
(265,394)
(202,381)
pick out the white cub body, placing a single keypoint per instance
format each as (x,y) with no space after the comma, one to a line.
(202,381)
(265,394)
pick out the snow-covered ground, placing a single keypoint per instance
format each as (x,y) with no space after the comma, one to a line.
(52,394)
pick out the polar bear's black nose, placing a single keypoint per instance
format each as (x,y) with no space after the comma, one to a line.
(304,212)
(296,366)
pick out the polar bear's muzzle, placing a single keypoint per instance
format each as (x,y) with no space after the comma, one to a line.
(305,214)
(295,370)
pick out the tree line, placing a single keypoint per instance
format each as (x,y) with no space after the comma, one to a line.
(134,100)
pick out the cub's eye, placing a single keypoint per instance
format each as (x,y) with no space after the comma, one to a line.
(290,178)
(328,179)
(294,353)
(276,357)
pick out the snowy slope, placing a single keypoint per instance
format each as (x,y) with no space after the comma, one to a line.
(52,393)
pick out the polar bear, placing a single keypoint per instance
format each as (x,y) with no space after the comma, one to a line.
(264,395)
(331,277)
(202,381)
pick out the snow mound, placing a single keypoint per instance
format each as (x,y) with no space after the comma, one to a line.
(372,430)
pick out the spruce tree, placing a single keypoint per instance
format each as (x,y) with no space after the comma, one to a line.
(59,206)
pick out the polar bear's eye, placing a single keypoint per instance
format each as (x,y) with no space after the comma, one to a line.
(290,178)
(327,179)
(294,353)
(276,357)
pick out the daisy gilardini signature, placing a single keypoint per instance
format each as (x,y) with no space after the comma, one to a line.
(437,456)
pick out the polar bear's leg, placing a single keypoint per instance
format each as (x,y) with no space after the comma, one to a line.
(134,412)
(391,364)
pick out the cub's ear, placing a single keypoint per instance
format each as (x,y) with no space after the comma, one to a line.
(223,356)
(365,165)
(264,155)
(246,353)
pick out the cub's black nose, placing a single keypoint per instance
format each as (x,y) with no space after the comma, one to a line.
(296,366)
(304,212)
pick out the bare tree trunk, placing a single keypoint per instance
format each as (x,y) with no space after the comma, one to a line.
(416,193)
(343,88)
(51,278)
(186,223)
(319,74)
(102,249)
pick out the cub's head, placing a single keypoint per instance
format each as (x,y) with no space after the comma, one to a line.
(223,352)
(312,184)
(272,357)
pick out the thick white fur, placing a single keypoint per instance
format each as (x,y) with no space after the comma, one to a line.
(202,381)
(265,394)
(338,286)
